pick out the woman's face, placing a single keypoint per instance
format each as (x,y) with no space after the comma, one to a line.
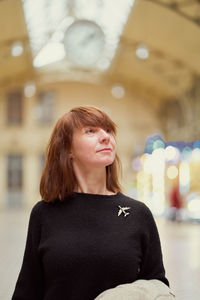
(93,147)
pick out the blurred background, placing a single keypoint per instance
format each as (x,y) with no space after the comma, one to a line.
(139,61)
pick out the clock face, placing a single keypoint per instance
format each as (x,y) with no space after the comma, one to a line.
(84,43)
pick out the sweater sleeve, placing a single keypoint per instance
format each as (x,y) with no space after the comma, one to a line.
(152,262)
(30,284)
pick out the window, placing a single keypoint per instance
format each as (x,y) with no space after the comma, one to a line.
(14,107)
(45,108)
(14,179)
(14,171)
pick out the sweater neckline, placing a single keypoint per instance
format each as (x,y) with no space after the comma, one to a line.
(90,195)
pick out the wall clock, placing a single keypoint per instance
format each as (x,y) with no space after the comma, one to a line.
(84,43)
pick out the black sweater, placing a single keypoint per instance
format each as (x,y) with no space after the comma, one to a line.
(79,247)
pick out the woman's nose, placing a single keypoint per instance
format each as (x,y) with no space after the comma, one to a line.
(104,135)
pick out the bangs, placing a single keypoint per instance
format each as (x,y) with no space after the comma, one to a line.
(91,116)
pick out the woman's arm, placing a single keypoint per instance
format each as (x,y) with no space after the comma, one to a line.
(30,282)
(152,260)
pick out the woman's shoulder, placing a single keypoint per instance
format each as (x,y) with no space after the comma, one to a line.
(141,212)
(137,205)
(40,207)
(41,211)
(132,201)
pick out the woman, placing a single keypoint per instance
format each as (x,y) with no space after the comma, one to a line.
(85,236)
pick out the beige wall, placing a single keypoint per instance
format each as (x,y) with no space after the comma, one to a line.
(135,118)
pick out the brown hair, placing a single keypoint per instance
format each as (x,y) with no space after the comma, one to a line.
(58,179)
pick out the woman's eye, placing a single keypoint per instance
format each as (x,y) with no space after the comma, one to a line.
(108,130)
(90,130)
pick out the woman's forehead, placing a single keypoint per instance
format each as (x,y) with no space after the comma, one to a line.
(81,130)
(94,125)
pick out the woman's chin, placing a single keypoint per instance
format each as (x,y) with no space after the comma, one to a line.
(105,163)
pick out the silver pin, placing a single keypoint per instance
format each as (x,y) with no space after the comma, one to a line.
(123,210)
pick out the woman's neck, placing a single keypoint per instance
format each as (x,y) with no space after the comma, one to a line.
(91,181)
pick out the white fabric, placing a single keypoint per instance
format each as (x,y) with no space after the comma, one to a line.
(139,290)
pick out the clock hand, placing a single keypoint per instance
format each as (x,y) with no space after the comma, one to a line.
(86,40)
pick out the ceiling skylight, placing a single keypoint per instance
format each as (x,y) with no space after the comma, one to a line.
(48,20)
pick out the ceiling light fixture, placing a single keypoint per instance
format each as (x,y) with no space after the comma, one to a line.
(142,52)
(47,21)
(17,49)
(118,91)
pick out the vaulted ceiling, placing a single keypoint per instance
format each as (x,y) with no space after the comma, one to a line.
(169,29)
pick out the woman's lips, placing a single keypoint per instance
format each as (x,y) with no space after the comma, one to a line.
(105,149)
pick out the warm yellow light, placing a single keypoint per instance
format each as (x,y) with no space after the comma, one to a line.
(170,153)
(144,157)
(147,162)
(158,184)
(159,154)
(140,176)
(194,205)
(184,171)
(158,161)
(196,154)
(143,186)
(172,172)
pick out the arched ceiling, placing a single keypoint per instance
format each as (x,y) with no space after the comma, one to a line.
(13,28)
(174,46)
(169,28)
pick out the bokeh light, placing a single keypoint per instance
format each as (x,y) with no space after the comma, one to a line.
(17,49)
(184,177)
(196,144)
(186,153)
(158,144)
(170,153)
(142,52)
(172,172)
(196,154)
(118,91)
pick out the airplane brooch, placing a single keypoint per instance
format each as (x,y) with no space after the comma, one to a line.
(123,210)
